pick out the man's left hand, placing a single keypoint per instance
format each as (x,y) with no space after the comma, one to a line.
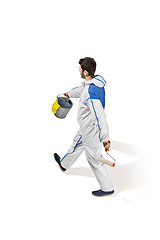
(107,145)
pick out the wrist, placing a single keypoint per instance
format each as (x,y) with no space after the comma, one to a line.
(105,143)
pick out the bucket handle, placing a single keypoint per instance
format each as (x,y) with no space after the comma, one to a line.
(61,94)
(69,100)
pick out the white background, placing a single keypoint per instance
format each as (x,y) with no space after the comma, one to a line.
(40,45)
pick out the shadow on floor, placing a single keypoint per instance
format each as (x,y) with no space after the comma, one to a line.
(125,177)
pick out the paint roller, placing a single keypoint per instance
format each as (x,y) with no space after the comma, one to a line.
(106,161)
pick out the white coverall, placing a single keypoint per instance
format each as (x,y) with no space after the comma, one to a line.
(93,129)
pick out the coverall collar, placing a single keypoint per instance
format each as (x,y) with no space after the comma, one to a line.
(98,80)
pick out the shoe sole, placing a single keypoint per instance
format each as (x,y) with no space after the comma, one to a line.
(103,195)
(58,165)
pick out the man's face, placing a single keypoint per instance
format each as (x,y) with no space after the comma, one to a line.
(81,72)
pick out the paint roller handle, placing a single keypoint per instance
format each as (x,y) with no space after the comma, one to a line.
(106,161)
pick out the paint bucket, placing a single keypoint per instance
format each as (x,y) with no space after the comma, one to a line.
(61,106)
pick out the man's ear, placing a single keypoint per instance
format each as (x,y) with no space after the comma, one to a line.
(85,73)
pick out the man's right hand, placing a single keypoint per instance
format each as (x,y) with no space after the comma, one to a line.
(66,94)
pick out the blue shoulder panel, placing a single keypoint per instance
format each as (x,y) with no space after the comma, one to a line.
(97,93)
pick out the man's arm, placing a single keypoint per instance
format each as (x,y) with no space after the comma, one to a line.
(99,116)
(74,92)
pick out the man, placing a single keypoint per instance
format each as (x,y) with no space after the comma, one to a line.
(93,126)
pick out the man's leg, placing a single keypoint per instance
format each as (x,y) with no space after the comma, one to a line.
(93,147)
(73,153)
(99,169)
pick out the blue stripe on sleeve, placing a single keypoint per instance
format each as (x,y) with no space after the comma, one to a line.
(87,99)
(75,87)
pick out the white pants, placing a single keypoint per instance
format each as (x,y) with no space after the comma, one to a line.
(89,141)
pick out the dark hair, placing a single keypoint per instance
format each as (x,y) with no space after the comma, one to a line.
(89,65)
